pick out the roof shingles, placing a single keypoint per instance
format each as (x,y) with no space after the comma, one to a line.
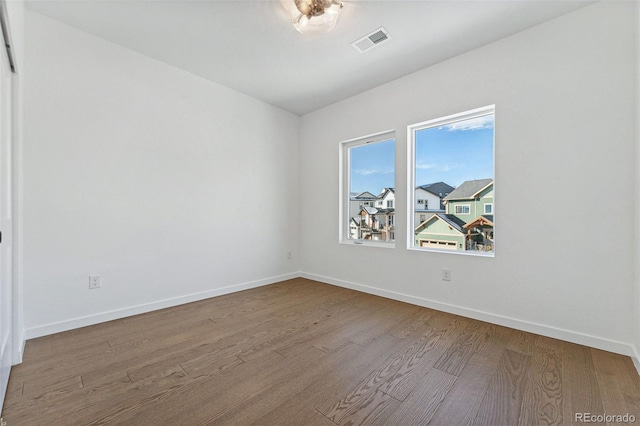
(468,189)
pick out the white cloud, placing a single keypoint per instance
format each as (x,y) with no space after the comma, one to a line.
(367,172)
(440,167)
(483,122)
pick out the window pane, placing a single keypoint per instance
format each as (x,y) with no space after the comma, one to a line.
(371,190)
(454,172)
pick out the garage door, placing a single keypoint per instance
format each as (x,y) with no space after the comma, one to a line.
(442,245)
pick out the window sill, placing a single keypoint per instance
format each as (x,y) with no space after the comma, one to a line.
(455,252)
(382,244)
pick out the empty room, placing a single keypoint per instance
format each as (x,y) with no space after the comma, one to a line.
(315,212)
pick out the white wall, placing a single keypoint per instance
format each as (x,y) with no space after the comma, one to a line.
(565,127)
(138,172)
(126,158)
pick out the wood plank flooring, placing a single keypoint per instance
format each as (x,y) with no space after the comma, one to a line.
(306,353)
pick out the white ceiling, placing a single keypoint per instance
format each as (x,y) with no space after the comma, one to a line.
(251,46)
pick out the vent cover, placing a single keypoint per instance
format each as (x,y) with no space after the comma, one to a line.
(371,40)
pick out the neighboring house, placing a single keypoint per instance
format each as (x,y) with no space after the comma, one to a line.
(387,198)
(441,231)
(471,199)
(358,201)
(354,226)
(429,199)
(467,223)
(480,233)
(440,189)
(376,224)
(368,226)
(386,219)
(373,216)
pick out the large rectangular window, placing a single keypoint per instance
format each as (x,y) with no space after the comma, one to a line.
(452,162)
(368,190)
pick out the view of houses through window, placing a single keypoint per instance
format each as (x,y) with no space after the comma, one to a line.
(451,192)
(371,181)
(453,181)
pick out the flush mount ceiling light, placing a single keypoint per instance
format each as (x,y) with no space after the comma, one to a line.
(316,16)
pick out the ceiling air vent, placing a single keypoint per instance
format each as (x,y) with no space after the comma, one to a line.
(371,40)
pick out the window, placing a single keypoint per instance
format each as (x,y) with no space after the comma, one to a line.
(452,158)
(463,209)
(367,166)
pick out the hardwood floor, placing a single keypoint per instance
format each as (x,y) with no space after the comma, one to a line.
(305,353)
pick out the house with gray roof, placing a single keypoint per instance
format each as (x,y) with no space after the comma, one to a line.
(466,224)
(471,199)
(360,200)
(428,199)
(376,224)
(440,189)
(441,231)
(386,199)
(373,214)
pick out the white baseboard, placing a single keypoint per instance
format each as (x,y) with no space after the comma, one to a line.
(567,335)
(74,323)
(18,352)
(636,359)
(556,333)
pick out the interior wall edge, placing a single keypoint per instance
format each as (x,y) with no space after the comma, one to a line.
(636,359)
(71,324)
(597,342)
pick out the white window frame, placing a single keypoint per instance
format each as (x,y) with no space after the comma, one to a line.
(411,173)
(484,208)
(345,185)
(455,209)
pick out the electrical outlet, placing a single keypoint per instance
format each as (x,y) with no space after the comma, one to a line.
(446,275)
(94,281)
(289,256)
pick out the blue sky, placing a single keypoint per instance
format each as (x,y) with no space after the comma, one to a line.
(452,154)
(372,167)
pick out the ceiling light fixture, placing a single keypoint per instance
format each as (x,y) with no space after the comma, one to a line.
(316,16)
